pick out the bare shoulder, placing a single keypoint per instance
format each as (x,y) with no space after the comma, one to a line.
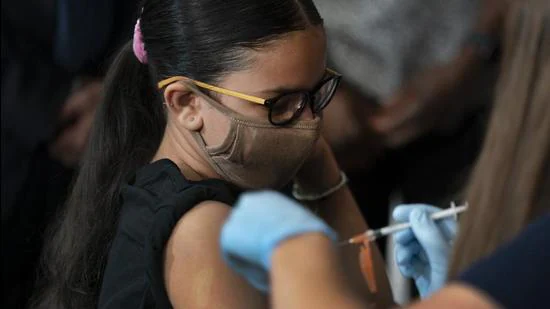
(195,274)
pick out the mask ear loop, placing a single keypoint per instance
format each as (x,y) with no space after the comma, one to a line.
(191,87)
(200,140)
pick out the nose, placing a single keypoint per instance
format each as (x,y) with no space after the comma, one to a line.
(307,112)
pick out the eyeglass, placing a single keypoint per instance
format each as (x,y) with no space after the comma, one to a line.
(284,108)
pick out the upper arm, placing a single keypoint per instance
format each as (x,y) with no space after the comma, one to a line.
(195,274)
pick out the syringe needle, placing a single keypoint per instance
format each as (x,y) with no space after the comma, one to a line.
(375,234)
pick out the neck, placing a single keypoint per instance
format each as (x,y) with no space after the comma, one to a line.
(182,151)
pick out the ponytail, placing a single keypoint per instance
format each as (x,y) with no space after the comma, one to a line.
(126,134)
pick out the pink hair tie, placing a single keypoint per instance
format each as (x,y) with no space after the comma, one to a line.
(138,46)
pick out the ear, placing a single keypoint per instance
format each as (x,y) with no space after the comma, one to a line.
(184,104)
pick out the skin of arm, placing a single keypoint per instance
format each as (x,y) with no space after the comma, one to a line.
(194,271)
(311,263)
(341,212)
(307,273)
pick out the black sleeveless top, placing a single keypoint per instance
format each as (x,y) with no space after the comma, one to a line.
(153,202)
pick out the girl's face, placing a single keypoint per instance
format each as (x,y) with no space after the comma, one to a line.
(246,149)
(294,62)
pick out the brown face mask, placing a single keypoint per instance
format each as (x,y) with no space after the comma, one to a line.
(256,154)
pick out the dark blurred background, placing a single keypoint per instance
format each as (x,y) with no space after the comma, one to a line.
(54,56)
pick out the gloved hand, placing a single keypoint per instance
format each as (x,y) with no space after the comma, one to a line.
(422,252)
(258,223)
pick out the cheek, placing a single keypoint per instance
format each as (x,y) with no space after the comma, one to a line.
(245,108)
(307,114)
(215,127)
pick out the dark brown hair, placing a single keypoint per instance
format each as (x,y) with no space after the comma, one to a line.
(201,39)
(510,184)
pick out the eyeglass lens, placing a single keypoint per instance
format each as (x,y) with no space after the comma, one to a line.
(288,107)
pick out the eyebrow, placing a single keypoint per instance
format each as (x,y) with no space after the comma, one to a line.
(283,89)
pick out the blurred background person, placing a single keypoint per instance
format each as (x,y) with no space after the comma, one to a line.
(53,60)
(410,115)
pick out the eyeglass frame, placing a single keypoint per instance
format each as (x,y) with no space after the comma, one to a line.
(268,103)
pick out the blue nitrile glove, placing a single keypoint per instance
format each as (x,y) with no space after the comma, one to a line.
(259,222)
(422,252)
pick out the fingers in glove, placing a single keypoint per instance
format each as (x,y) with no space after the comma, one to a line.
(449,228)
(404,257)
(429,235)
(423,285)
(402,212)
(404,237)
(254,274)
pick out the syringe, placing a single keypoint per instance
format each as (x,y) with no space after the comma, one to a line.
(371,235)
